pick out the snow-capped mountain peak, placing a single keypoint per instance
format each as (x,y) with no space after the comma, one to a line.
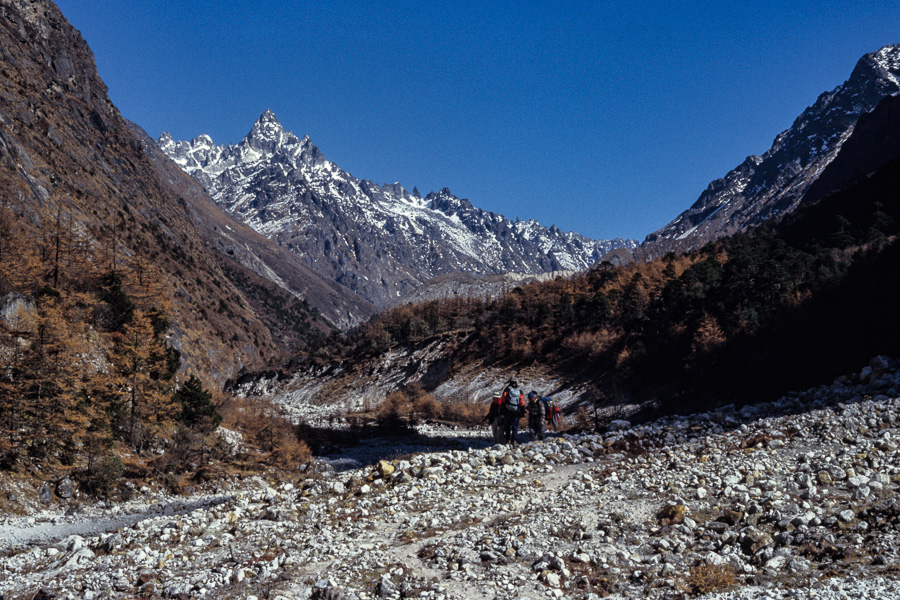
(380,240)
(887,61)
(204,141)
(267,134)
(165,140)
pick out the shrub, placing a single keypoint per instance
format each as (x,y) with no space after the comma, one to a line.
(705,578)
(464,412)
(413,405)
(426,407)
(101,477)
(394,411)
(290,452)
(278,439)
(263,424)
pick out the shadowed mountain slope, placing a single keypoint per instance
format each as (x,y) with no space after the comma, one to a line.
(69,159)
(767,187)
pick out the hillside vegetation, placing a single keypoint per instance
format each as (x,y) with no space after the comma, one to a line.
(750,315)
(87,378)
(119,283)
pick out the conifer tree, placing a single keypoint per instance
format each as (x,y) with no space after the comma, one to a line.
(56,384)
(196,404)
(140,359)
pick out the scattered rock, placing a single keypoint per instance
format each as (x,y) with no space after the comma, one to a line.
(385,469)
(64,488)
(567,517)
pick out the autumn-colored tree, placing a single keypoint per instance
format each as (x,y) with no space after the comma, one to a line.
(57,393)
(145,285)
(67,385)
(42,384)
(145,398)
(395,410)
(708,337)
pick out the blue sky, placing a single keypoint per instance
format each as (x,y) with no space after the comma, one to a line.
(605,118)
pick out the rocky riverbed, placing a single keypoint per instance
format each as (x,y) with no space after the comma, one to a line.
(796,498)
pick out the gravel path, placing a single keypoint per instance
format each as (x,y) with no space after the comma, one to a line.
(798,498)
(51,527)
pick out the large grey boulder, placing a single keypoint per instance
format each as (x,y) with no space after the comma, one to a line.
(64,488)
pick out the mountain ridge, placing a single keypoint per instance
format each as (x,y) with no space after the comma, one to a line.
(770,185)
(256,252)
(380,240)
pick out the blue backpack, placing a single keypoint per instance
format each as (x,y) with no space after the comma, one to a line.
(514,401)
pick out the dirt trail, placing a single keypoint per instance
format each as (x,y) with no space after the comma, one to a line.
(22,532)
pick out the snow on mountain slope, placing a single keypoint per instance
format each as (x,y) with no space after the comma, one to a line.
(768,186)
(381,241)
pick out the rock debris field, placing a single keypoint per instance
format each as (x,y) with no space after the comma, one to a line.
(789,499)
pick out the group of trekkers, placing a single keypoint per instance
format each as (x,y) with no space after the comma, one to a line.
(510,406)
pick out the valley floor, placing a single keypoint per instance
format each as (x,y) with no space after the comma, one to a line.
(792,499)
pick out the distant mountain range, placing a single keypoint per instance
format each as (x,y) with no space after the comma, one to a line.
(768,186)
(381,241)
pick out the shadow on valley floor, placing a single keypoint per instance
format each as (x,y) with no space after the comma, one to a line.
(346,449)
(361,445)
(365,445)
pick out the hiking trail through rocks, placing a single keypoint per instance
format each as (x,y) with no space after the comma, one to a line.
(793,498)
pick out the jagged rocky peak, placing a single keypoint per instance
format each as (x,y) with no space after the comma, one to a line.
(267,139)
(267,134)
(446,202)
(884,62)
(165,140)
(394,189)
(380,240)
(167,143)
(203,141)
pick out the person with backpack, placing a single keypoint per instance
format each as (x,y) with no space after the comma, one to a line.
(513,401)
(552,412)
(495,418)
(536,415)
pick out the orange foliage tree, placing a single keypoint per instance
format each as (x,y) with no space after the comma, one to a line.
(145,398)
